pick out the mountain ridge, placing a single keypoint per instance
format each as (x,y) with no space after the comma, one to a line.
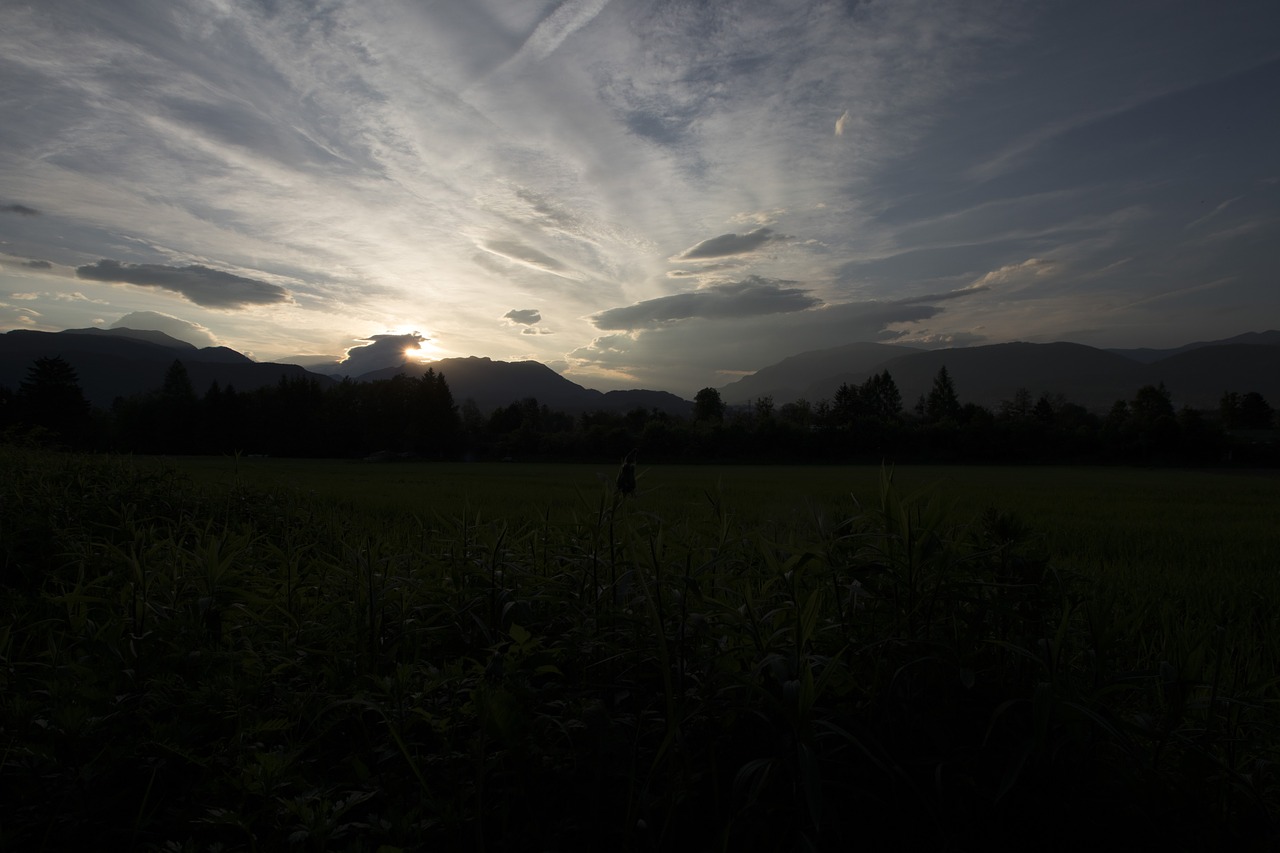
(121,362)
(491,384)
(1196,375)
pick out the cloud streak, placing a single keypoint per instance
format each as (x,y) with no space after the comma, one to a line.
(727,245)
(749,298)
(174,327)
(204,286)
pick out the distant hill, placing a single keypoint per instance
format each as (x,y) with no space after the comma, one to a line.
(794,377)
(1147,356)
(986,375)
(122,362)
(492,384)
(1196,375)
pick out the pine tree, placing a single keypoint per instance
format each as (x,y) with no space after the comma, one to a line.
(50,398)
(942,403)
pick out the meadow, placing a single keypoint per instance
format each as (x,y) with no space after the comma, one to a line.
(241,653)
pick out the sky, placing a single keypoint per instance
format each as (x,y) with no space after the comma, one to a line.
(639,193)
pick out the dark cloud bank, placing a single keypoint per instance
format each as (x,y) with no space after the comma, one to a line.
(731,244)
(380,351)
(752,297)
(204,286)
(524,316)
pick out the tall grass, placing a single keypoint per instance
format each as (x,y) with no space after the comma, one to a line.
(230,666)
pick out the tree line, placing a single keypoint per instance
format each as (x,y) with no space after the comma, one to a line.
(417,417)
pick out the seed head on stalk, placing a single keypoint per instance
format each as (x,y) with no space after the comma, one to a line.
(626,481)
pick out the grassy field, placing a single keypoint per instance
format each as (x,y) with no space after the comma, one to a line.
(1154,523)
(219,654)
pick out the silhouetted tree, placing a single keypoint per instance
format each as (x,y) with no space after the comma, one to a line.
(881,398)
(51,398)
(175,411)
(798,413)
(846,406)
(1152,420)
(1044,410)
(942,403)
(1229,409)
(1019,408)
(1255,411)
(708,407)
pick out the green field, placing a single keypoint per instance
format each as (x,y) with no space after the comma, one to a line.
(205,654)
(1156,523)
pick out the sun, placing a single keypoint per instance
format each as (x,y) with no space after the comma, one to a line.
(425,352)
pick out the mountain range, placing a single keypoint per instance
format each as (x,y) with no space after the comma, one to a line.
(114,363)
(1196,375)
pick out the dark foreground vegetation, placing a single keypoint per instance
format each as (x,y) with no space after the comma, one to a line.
(222,667)
(418,417)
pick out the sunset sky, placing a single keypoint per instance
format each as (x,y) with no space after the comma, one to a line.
(640,194)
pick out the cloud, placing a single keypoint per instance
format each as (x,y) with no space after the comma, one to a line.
(568,18)
(204,286)
(750,298)
(843,122)
(731,244)
(183,330)
(941,340)
(1211,214)
(20,209)
(77,296)
(524,316)
(378,352)
(683,357)
(706,268)
(12,316)
(37,265)
(1015,273)
(528,256)
(977,287)
(535,331)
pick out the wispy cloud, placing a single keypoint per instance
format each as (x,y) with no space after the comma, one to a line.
(174,327)
(339,168)
(569,17)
